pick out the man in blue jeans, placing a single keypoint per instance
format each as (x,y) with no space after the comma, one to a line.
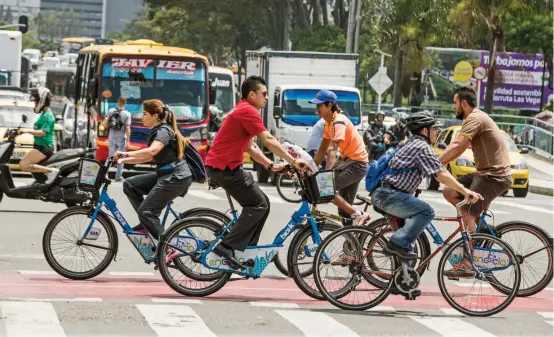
(395,194)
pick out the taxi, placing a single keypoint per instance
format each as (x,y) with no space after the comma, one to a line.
(465,164)
(10,118)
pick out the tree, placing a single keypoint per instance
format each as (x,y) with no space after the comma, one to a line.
(320,39)
(470,13)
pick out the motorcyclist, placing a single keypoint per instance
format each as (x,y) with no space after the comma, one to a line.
(398,133)
(374,137)
(43,133)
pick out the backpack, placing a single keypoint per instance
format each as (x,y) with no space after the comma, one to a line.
(115,121)
(196,164)
(379,168)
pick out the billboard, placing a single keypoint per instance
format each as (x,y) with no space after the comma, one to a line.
(518,83)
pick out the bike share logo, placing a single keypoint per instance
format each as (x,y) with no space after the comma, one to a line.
(287,231)
(119,217)
(493,259)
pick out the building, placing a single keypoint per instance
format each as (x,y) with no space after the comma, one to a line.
(120,12)
(10,10)
(89,11)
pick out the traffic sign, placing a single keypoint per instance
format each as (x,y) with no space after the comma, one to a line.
(480,73)
(380,81)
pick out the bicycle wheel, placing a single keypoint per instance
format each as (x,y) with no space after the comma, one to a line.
(300,254)
(296,188)
(208,280)
(533,247)
(348,281)
(69,225)
(203,212)
(498,261)
(381,225)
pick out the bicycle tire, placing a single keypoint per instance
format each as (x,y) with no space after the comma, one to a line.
(164,268)
(292,258)
(281,194)
(445,259)
(111,251)
(334,299)
(507,227)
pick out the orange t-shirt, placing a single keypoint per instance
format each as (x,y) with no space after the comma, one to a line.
(342,131)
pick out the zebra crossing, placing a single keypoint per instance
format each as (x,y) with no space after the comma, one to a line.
(166,317)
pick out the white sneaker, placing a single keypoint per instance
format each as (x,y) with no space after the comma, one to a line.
(52,175)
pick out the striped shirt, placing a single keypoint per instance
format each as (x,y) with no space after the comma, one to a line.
(415,153)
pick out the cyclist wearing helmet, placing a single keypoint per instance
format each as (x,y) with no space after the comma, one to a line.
(43,133)
(398,132)
(395,192)
(374,137)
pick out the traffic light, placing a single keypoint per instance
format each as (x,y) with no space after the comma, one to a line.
(24,21)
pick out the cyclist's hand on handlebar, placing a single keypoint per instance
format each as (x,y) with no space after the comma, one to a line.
(279,167)
(119,156)
(301,165)
(472,197)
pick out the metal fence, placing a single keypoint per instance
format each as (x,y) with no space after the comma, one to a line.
(529,132)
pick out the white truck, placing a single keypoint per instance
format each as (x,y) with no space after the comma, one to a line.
(10,57)
(293,79)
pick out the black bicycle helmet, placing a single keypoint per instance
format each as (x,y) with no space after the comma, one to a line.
(422,119)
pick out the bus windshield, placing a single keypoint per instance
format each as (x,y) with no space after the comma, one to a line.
(223,84)
(71,47)
(180,83)
(297,109)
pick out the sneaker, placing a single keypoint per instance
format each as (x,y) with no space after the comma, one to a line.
(361,220)
(460,271)
(400,252)
(51,175)
(343,260)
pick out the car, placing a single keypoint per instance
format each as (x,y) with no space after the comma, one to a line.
(14,94)
(10,118)
(465,164)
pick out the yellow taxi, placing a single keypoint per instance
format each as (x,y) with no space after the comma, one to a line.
(10,118)
(465,164)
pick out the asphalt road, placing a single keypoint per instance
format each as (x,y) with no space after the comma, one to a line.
(123,300)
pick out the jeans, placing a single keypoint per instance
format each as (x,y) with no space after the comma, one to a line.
(418,213)
(159,192)
(117,144)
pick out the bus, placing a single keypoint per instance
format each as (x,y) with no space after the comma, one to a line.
(224,83)
(72,45)
(141,70)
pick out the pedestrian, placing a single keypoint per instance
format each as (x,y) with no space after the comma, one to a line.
(118,124)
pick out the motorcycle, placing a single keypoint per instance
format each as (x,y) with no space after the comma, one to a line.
(62,190)
(217,117)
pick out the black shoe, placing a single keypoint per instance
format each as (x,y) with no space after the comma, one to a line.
(401,253)
(228,255)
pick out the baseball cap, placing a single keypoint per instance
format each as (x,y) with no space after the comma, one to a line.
(324,96)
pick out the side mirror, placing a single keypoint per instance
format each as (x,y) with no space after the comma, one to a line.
(212,92)
(277,112)
(442,146)
(524,150)
(92,88)
(24,118)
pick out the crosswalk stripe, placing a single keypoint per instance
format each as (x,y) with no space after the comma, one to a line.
(451,327)
(549,316)
(314,324)
(275,305)
(525,207)
(275,200)
(174,320)
(37,272)
(37,319)
(76,299)
(203,195)
(131,273)
(176,300)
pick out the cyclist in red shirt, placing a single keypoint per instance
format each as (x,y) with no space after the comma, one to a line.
(224,167)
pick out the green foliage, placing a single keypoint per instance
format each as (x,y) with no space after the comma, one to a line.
(319,38)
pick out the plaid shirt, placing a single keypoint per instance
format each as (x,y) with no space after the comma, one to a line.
(414,153)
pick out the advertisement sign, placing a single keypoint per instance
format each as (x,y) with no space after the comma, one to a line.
(518,82)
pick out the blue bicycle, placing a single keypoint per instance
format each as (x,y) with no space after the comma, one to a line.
(193,239)
(90,234)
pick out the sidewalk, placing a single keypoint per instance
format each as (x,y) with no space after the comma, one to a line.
(540,175)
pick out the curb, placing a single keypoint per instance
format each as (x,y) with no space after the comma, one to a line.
(541,190)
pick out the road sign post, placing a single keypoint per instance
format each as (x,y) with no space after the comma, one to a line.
(479,73)
(380,81)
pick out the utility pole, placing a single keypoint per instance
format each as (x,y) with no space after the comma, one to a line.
(350,29)
(358,23)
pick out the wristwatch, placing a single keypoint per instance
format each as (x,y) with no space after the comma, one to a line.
(270,167)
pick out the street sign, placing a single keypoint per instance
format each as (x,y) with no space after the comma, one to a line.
(380,81)
(480,73)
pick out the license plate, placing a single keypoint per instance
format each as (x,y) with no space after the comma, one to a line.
(18,155)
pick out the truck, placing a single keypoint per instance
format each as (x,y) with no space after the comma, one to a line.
(10,58)
(293,79)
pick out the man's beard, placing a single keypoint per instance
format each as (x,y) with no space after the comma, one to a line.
(459,115)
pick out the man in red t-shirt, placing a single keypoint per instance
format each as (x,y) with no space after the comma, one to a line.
(224,167)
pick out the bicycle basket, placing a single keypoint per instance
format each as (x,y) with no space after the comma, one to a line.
(320,187)
(91,175)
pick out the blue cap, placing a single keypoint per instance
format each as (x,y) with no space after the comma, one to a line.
(324,96)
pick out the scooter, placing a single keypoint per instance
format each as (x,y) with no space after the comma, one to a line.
(62,190)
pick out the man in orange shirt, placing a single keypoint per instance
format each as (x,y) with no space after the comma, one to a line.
(351,167)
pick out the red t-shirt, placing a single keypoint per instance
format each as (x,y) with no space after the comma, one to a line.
(242,124)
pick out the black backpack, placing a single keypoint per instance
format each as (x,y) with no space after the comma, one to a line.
(116,123)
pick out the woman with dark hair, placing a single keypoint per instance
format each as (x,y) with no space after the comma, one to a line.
(166,146)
